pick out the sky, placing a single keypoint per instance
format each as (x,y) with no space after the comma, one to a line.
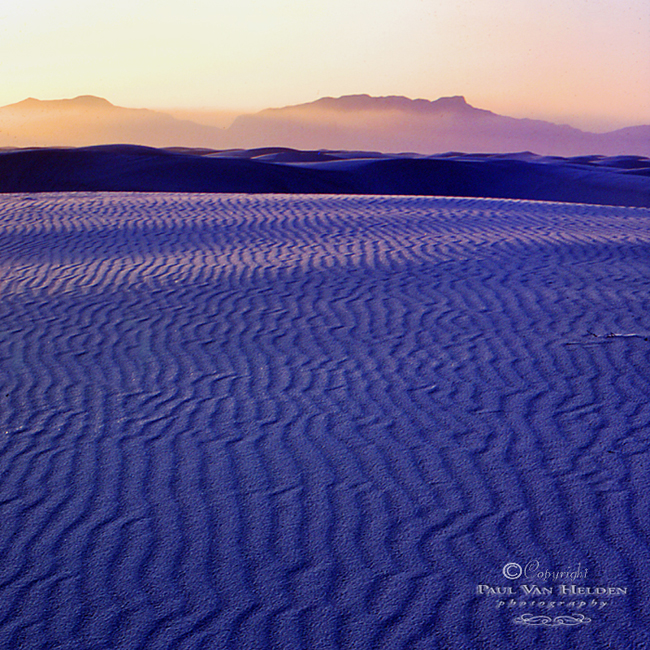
(583,62)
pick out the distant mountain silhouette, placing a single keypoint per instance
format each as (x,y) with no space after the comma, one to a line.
(398,124)
(89,120)
(85,101)
(457,104)
(355,122)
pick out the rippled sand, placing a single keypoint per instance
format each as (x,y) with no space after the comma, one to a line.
(252,422)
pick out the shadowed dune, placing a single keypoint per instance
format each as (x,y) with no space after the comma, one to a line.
(253,421)
(620,180)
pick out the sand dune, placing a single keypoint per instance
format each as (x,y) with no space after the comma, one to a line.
(620,180)
(263,421)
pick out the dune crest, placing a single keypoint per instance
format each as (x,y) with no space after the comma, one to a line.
(621,180)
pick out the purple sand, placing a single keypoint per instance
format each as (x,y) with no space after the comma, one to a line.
(331,422)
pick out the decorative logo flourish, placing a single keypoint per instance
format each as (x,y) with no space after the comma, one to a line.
(547,621)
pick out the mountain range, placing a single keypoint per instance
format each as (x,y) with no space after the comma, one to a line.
(355,122)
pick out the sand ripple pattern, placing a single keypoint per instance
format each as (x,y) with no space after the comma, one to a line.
(252,422)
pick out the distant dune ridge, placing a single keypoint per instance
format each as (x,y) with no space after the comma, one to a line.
(619,180)
(386,124)
(244,422)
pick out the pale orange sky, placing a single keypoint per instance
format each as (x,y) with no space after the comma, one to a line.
(585,62)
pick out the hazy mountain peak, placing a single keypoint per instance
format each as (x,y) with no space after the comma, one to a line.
(90,101)
(82,101)
(455,101)
(359,103)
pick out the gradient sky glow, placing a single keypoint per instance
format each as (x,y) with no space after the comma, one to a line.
(586,62)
